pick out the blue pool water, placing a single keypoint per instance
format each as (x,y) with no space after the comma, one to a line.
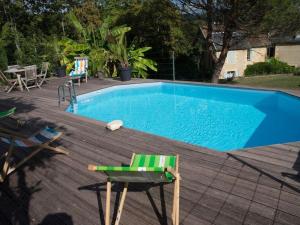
(219,118)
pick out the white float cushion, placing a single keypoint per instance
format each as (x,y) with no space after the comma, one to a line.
(114,125)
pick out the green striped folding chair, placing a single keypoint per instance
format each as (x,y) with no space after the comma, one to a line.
(30,146)
(7,113)
(142,169)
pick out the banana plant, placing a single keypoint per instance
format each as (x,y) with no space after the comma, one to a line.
(95,39)
(67,49)
(108,45)
(117,45)
(130,57)
(139,63)
(98,60)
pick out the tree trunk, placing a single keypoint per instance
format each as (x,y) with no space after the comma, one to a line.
(223,55)
(217,71)
(220,62)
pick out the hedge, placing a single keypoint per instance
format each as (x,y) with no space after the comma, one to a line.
(272,66)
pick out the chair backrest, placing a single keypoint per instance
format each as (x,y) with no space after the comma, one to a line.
(30,72)
(156,162)
(13,67)
(45,135)
(44,69)
(81,65)
(144,168)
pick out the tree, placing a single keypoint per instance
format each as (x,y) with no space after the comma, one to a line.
(243,17)
(159,24)
(88,14)
(27,26)
(156,23)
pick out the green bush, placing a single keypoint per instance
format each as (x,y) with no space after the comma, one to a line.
(297,71)
(3,59)
(272,66)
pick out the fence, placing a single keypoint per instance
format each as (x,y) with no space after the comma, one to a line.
(180,67)
(165,66)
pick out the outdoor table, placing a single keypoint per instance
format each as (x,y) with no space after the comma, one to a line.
(17,72)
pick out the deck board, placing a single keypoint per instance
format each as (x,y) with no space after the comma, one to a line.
(243,187)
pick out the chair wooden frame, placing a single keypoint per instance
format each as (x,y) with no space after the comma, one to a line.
(176,194)
(12,83)
(42,76)
(30,77)
(13,136)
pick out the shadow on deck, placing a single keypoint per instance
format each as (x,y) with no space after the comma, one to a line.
(15,199)
(253,186)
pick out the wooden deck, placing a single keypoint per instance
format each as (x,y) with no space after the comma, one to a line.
(257,186)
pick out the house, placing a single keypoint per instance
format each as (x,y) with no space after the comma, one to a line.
(243,52)
(287,49)
(246,51)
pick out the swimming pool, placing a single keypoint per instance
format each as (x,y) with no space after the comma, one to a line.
(219,118)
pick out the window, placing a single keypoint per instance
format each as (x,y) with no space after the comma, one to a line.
(231,57)
(248,54)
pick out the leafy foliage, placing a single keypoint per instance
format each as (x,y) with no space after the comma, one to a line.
(67,49)
(139,63)
(3,59)
(158,23)
(36,31)
(272,66)
(32,29)
(297,71)
(284,17)
(118,45)
(125,57)
(93,18)
(104,45)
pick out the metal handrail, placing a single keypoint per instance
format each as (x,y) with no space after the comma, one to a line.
(72,92)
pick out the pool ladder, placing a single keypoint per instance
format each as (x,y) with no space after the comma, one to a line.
(62,93)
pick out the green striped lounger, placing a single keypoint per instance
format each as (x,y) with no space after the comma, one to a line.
(44,136)
(27,148)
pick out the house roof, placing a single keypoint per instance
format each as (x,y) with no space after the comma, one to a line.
(239,42)
(280,40)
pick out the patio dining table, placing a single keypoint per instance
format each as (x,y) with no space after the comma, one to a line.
(18,73)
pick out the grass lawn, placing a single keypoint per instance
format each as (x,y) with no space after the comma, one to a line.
(270,81)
